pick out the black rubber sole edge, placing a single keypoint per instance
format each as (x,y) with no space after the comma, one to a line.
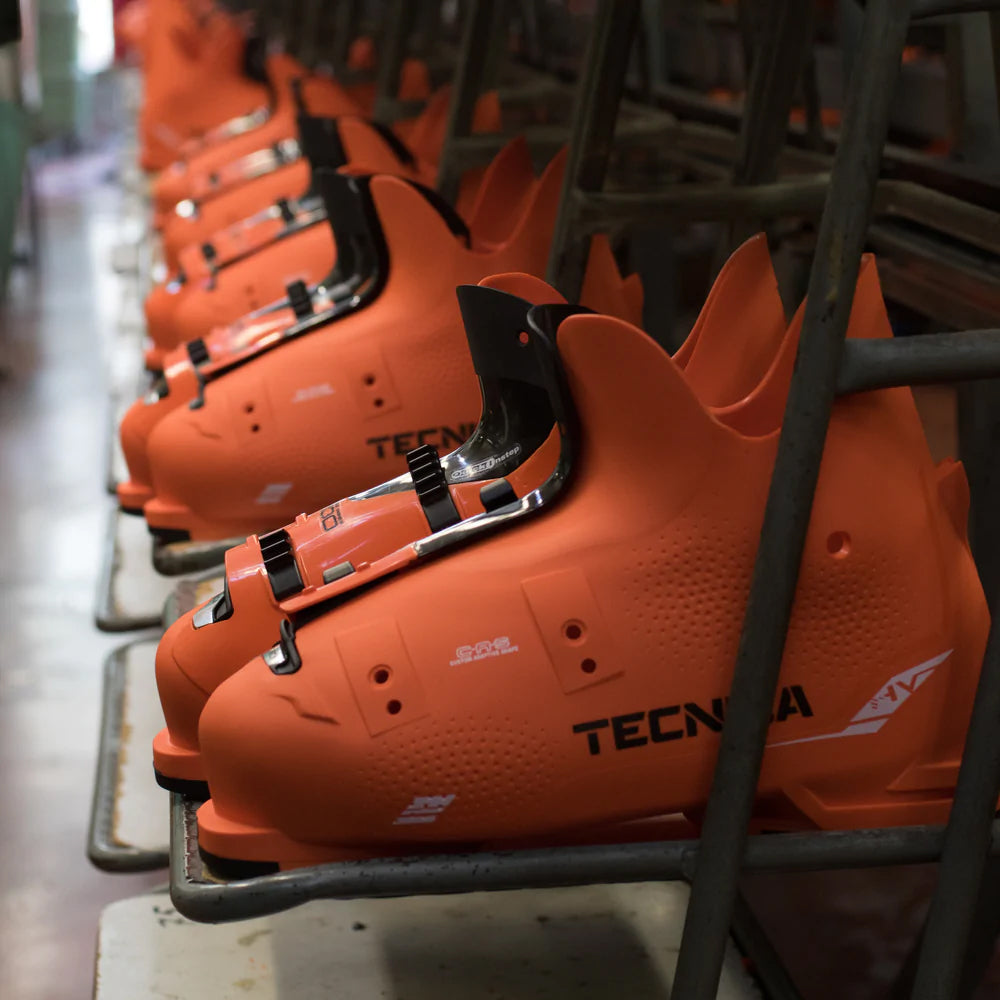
(189,788)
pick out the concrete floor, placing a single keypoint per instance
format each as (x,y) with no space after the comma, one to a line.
(843,934)
(53,403)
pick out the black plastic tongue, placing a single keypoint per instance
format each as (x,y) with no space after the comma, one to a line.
(499,336)
(356,231)
(503,509)
(544,322)
(319,140)
(298,98)
(515,380)
(322,146)
(255,59)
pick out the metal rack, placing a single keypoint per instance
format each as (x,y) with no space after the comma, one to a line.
(130,592)
(848,193)
(179,558)
(203,895)
(191,592)
(129,687)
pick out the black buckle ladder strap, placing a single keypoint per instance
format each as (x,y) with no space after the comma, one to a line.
(431,487)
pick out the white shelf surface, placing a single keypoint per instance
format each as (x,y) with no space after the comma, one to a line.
(587,943)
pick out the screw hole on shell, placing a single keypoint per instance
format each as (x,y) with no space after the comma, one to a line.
(573,630)
(255,428)
(369,380)
(523,337)
(394,707)
(381,675)
(838,544)
(588,666)
(248,408)
(379,402)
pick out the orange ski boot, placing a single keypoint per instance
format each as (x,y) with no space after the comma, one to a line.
(251,262)
(223,165)
(400,252)
(199,71)
(192,659)
(273,179)
(131,26)
(513,440)
(246,266)
(564,672)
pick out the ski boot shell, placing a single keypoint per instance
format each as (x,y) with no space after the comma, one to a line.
(194,78)
(212,169)
(414,251)
(249,265)
(571,672)
(224,166)
(194,299)
(514,439)
(381,360)
(192,660)
(504,201)
(194,222)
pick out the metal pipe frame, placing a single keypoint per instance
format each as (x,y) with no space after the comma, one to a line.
(967,839)
(964,916)
(786,518)
(919,360)
(400,19)
(202,896)
(709,127)
(939,8)
(531,33)
(600,211)
(347,15)
(311,32)
(470,76)
(599,93)
(783,40)
(103,850)
(995,35)
(476,150)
